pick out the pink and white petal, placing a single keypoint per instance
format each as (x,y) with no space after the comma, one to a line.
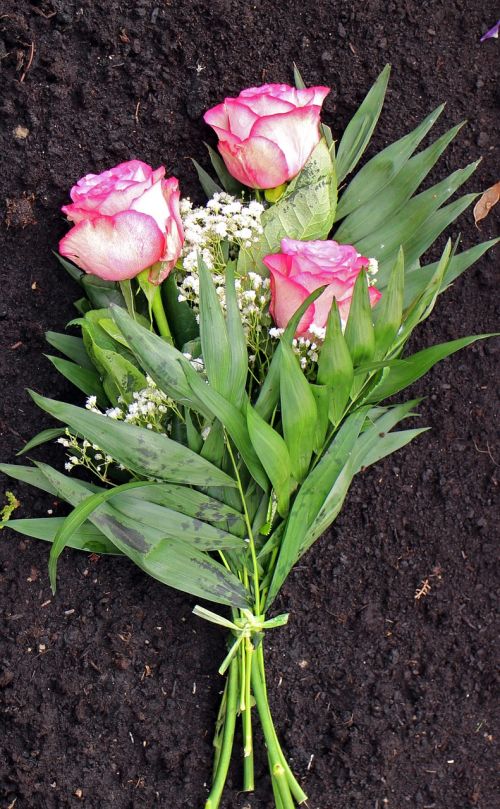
(153,202)
(278,262)
(375,295)
(286,297)
(114,248)
(267,104)
(172,195)
(240,118)
(297,132)
(312,95)
(256,162)
(218,119)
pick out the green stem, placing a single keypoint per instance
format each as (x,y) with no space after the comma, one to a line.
(251,541)
(248,758)
(215,795)
(297,791)
(160,316)
(278,771)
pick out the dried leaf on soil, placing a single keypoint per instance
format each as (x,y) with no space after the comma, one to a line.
(486,203)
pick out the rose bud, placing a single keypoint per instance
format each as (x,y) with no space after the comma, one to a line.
(302,267)
(267,134)
(126,219)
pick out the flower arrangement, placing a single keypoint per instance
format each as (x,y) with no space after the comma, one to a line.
(236,361)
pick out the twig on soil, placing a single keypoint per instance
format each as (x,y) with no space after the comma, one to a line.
(486,451)
(30,62)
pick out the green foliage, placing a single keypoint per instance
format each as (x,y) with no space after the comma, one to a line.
(305,211)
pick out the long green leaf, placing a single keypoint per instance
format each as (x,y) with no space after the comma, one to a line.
(373,214)
(209,185)
(159,359)
(86,538)
(270,390)
(399,230)
(412,368)
(72,347)
(311,497)
(42,438)
(238,350)
(85,379)
(274,455)
(142,451)
(360,128)
(298,412)
(215,345)
(171,561)
(417,279)
(382,168)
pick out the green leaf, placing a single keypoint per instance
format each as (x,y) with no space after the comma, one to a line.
(421,308)
(173,374)
(360,129)
(86,538)
(389,443)
(72,347)
(233,420)
(180,315)
(121,377)
(381,169)
(297,78)
(75,272)
(214,337)
(311,498)
(274,456)
(142,451)
(226,179)
(28,474)
(418,278)
(322,396)
(270,390)
(373,214)
(389,311)
(161,361)
(359,332)
(306,211)
(298,413)
(365,444)
(335,367)
(238,367)
(412,368)
(42,438)
(101,293)
(433,227)
(409,223)
(190,502)
(170,561)
(84,379)
(209,186)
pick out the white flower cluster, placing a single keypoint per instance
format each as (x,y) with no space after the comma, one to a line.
(223,218)
(306,349)
(150,409)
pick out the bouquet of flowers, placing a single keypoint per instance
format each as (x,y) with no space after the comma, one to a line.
(237,359)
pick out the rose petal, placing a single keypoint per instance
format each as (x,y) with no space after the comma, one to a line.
(114,248)
(256,162)
(286,297)
(297,132)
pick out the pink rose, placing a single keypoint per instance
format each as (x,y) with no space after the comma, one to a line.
(302,267)
(126,219)
(267,133)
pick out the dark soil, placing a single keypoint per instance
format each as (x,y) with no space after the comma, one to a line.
(109,690)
